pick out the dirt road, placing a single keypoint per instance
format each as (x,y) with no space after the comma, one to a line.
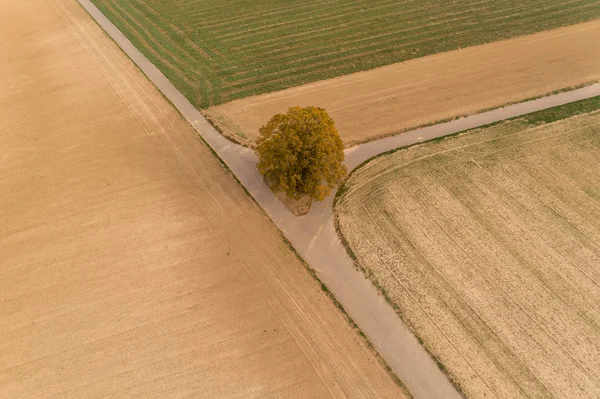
(131,263)
(398,97)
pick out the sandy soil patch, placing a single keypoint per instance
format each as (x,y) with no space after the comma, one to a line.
(131,263)
(489,244)
(387,100)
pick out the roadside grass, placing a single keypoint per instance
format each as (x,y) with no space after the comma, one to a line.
(215,52)
(564,111)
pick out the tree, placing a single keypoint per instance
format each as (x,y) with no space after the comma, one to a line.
(301,153)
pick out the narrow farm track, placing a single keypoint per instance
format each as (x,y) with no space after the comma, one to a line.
(132,264)
(314,235)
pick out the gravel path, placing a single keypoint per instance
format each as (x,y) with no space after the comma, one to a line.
(314,235)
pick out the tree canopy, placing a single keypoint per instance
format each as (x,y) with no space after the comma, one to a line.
(301,153)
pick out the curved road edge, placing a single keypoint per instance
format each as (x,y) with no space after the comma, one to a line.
(314,235)
(363,152)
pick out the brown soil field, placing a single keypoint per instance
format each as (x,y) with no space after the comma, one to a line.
(131,263)
(488,243)
(391,99)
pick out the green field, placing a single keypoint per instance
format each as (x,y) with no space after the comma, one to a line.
(217,51)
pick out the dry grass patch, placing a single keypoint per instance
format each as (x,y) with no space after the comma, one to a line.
(488,244)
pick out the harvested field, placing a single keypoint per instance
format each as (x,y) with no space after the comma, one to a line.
(488,243)
(131,263)
(398,97)
(218,51)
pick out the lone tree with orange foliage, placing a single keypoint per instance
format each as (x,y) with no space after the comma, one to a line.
(301,153)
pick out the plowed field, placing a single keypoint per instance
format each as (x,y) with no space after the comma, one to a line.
(131,263)
(218,51)
(488,243)
(398,97)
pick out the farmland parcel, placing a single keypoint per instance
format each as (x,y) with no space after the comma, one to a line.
(218,51)
(131,263)
(488,244)
(394,98)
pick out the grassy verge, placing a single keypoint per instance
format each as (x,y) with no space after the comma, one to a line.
(562,112)
(534,119)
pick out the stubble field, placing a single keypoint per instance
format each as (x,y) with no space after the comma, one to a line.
(218,51)
(131,263)
(488,244)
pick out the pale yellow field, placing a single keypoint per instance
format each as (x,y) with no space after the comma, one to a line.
(131,263)
(398,97)
(489,244)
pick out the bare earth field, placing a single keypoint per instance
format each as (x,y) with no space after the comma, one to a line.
(387,100)
(131,263)
(488,243)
